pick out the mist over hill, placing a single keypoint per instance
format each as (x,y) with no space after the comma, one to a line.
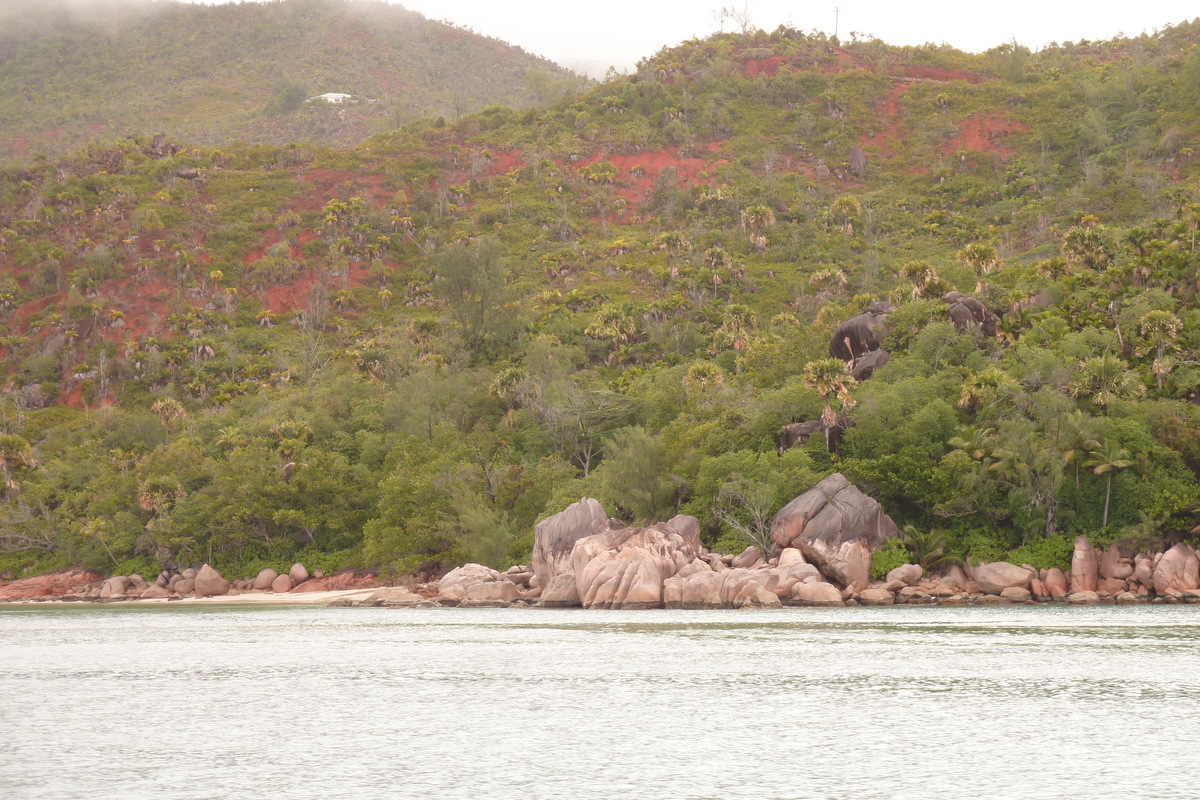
(73,70)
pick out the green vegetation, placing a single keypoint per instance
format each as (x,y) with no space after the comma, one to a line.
(405,353)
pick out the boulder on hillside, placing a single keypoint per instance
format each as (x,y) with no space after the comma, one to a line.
(861,333)
(209,582)
(837,528)
(1177,571)
(555,537)
(265,578)
(994,578)
(1085,572)
(866,364)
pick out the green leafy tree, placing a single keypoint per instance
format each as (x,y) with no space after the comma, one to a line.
(472,280)
(15,453)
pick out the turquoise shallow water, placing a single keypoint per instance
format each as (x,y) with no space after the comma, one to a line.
(218,702)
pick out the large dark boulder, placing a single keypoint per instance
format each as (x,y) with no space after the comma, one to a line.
(866,364)
(837,528)
(861,333)
(968,313)
(797,433)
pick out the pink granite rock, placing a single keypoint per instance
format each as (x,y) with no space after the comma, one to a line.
(1177,570)
(837,528)
(994,578)
(1085,571)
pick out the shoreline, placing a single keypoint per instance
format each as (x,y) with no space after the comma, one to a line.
(364,598)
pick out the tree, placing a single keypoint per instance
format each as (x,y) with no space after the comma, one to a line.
(1106,458)
(472,280)
(831,380)
(632,477)
(15,452)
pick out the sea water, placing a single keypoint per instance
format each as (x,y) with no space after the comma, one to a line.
(176,701)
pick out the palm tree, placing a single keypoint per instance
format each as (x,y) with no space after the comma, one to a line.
(984,387)
(1106,458)
(1160,329)
(673,243)
(757,218)
(980,257)
(1104,379)
(831,380)
(15,452)
(1091,248)
(975,442)
(737,323)
(169,410)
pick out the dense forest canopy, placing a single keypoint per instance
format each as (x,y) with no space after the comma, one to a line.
(405,353)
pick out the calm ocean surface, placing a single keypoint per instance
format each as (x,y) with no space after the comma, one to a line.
(223,702)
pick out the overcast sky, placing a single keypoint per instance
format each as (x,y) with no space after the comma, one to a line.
(593,36)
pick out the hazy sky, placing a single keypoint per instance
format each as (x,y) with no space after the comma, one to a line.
(592,36)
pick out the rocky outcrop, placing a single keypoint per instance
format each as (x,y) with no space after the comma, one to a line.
(476,585)
(554,537)
(837,528)
(699,586)
(56,584)
(994,578)
(209,582)
(338,582)
(627,568)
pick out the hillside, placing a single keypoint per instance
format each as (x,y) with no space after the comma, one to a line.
(70,71)
(406,352)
